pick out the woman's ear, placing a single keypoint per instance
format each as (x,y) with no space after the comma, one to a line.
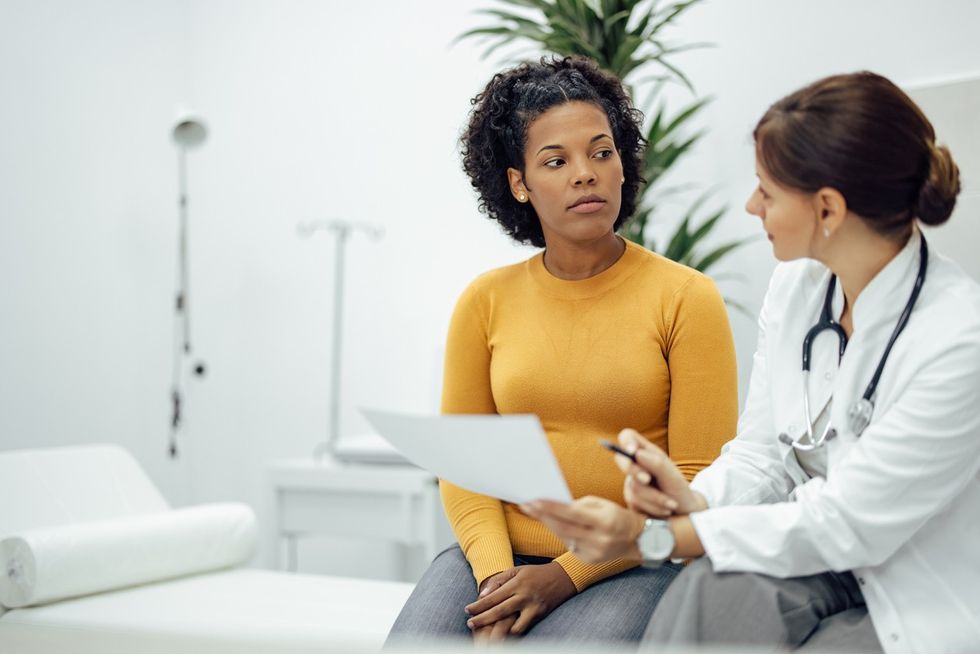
(517,187)
(831,209)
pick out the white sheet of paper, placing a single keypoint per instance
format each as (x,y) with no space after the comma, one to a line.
(507,457)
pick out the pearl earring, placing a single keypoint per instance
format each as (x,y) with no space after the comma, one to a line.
(522,198)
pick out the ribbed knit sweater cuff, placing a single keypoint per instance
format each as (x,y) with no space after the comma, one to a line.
(490,555)
(584,575)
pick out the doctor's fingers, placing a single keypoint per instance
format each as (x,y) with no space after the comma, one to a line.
(588,545)
(580,512)
(570,532)
(647,499)
(633,441)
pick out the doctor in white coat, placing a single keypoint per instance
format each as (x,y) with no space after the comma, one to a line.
(849,519)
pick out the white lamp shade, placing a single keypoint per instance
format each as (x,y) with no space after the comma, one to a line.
(189,132)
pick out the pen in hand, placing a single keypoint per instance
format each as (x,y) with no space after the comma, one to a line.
(612,447)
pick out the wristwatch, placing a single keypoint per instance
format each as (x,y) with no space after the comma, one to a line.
(656,542)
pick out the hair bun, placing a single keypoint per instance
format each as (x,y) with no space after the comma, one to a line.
(937,197)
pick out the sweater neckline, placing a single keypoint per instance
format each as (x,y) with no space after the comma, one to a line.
(591,286)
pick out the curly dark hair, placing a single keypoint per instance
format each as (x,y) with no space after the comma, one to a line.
(496,135)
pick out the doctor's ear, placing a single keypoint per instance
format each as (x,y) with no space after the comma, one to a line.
(831,208)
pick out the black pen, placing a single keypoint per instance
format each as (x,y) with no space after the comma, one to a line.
(612,447)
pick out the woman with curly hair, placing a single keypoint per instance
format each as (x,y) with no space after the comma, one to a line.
(593,334)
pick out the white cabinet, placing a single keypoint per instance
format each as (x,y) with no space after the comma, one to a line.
(397,503)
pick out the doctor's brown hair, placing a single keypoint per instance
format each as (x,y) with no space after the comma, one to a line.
(863,136)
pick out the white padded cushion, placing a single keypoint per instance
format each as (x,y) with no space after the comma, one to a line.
(53,563)
(68,485)
(241,608)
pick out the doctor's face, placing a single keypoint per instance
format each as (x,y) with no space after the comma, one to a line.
(788,216)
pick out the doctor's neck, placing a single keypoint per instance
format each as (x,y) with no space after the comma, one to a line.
(856,253)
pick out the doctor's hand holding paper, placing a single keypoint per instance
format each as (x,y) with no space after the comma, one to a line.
(842,516)
(602,530)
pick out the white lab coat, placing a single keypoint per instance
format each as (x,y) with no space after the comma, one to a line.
(900,506)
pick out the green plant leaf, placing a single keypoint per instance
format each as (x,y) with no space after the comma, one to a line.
(540,5)
(710,259)
(706,227)
(673,69)
(741,308)
(686,114)
(668,15)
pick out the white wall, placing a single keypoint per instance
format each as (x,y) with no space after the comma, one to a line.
(316,110)
(87,230)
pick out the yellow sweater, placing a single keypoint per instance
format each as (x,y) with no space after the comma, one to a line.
(644,344)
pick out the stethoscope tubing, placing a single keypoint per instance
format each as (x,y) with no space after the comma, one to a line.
(827,322)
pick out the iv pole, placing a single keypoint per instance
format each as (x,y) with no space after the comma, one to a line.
(342,231)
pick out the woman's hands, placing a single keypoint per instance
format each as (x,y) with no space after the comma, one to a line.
(513,600)
(670,494)
(594,528)
(501,628)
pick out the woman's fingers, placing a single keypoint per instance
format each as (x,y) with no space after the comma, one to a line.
(501,610)
(523,622)
(494,582)
(481,636)
(491,599)
(502,628)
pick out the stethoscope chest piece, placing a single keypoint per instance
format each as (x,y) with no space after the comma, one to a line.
(859,415)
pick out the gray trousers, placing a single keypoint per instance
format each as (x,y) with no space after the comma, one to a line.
(616,609)
(824,612)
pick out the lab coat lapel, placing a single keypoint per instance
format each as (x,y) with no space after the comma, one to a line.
(786,374)
(876,313)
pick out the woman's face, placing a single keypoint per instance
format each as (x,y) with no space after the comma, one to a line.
(573,175)
(788,216)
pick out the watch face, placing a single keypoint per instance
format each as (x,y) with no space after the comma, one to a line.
(657,541)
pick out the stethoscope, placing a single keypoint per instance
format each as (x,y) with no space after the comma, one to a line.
(859,414)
